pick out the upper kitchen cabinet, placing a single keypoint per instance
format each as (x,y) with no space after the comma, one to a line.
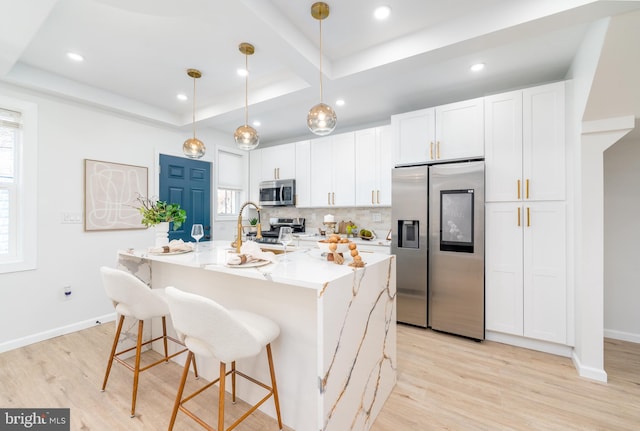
(525,144)
(270,163)
(303,174)
(413,135)
(278,162)
(373,165)
(332,171)
(448,132)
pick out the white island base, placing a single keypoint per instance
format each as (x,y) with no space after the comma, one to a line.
(335,358)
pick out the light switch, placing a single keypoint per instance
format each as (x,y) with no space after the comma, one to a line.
(71,218)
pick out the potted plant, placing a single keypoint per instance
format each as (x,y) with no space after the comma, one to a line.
(155,212)
(254,224)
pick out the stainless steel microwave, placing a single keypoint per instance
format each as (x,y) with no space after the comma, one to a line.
(277,193)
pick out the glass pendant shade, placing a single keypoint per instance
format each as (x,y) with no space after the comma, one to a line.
(246,137)
(321,119)
(193,148)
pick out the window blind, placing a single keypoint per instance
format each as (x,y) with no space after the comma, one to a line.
(230,170)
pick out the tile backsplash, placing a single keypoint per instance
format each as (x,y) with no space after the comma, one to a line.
(377,219)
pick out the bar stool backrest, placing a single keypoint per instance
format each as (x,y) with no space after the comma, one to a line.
(131,296)
(209,328)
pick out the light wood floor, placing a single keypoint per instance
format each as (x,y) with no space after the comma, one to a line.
(444,383)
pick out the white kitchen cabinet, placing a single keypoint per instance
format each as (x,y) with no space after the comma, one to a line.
(373,165)
(413,135)
(447,132)
(303,174)
(332,170)
(525,145)
(278,162)
(460,130)
(255,174)
(525,265)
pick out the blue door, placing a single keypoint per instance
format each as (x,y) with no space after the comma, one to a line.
(187,182)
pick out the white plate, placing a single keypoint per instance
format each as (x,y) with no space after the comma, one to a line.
(169,253)
(252,264)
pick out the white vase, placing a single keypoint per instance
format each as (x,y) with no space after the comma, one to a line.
(162,234)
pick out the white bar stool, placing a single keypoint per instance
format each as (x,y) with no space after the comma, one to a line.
(209,329)
(132,298)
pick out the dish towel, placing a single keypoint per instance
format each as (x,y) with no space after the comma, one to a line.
(175,245)
(250,252)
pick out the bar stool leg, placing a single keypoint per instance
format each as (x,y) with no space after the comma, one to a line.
(233,382)
(113,352)
(164,338)
(136,370)
(276,399)
(223,379)
(183,380)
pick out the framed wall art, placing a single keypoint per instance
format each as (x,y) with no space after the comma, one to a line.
(111,191)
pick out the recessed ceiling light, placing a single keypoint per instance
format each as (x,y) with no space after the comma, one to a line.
(477,67)
(381,13)
(74,56)
(340,102)
(182,97)
(242,72)
(257,123)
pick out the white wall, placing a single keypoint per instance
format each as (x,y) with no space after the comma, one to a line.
(621,239)
(588,355)
(32,303)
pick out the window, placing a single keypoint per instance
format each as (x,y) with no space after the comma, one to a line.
(231,176)
(18,163)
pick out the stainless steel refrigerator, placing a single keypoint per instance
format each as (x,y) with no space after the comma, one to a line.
(438,238)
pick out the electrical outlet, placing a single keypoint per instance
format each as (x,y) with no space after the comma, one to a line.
(67,291)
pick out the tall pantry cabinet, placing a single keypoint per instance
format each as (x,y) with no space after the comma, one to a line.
(526,228)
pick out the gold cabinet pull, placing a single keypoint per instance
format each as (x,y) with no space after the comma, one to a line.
(431,150)
(528,217)
(518,189)
(527,188)
(438,150)
(378,196)
(518,216)
(372,198)
(328,198)
(333,198)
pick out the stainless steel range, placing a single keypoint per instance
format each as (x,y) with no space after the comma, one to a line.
(271,236)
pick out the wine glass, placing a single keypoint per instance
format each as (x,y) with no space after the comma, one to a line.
(197,232)
(285,237)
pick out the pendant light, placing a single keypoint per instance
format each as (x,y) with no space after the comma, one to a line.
(193,147)
(321,119)
(246,137)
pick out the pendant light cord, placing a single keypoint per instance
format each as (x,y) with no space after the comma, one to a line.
(193,118)
(246,89)
(320,60)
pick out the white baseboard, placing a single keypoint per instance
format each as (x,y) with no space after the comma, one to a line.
(529,343)
(597,374)
(55,332)
(622,336)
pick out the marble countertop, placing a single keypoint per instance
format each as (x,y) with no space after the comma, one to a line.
(315,237)
(302,267)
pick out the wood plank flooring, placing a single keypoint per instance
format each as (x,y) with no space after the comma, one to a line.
(444,383)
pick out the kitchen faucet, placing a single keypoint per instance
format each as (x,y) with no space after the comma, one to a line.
(238,242)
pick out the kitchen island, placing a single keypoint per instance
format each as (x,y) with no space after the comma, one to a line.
(335,357)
